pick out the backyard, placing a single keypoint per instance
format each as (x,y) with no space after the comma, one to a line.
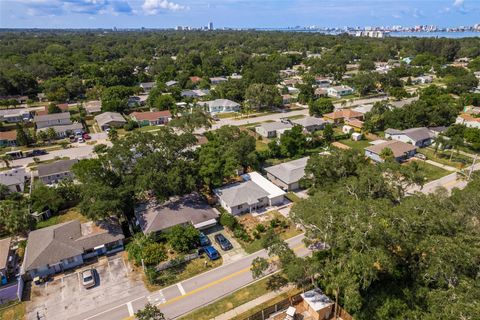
(356,145)
(69,215)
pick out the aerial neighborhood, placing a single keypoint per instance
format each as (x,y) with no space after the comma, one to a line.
(178,172)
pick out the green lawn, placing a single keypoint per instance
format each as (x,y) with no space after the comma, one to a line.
(228,115)
(12,311)
(261,145)
(458,161)
(71,214)
(431,172)
(356,145)
(148,128)
(293,197)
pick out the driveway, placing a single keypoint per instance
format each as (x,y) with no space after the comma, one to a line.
(64,297)
(228,256)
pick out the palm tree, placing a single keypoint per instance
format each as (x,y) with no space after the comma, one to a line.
(440,143)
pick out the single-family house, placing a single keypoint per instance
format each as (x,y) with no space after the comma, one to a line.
(147,86)
(51,120)
(154,217)
(220,106)
(151,118)
(52,173)
(287,99)
(341,115)
(194,93)
(14,179)
(401,150)
(468,120)
(419,137)
(402,103)
(8,138)
(356,124)
(270,129)
(363,108)
(93,107)
(254,193)
(108,120)
(323,82)
(217,80)
(15,115)
(320,92)
(422,80)
(339,91)
(171,83)
(195,79)
(310,124)
(68,245)
(287,175)
(63,131)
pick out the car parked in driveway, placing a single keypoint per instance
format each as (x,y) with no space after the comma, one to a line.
(420,156)
(204,241)
(88,278)
(211,252)
(223,242)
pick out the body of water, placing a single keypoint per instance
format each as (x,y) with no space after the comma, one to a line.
(454,35)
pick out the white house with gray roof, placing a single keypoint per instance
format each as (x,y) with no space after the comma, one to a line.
(252,194)
(14,179)
(220,106)
(108,120)
(310,124)
(67,245)
(287,175)
(272,129)
(51,120)
(419,137)
(53,173)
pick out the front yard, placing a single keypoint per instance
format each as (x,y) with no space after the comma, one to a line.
(431,172)
(12,311)
(458,161)
(255,228)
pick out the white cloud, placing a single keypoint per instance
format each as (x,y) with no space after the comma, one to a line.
(458,3)
(152,7)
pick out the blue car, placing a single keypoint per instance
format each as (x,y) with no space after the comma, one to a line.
(211,252)
(204,241)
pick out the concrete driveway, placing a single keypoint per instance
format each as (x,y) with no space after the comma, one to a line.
(64,297)
(228,256)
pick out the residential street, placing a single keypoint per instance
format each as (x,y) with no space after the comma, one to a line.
(190,294)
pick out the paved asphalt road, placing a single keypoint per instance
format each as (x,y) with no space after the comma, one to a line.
(192,293)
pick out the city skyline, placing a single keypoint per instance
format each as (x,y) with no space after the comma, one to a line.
(235,13)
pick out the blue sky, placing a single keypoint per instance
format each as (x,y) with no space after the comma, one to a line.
(234,13)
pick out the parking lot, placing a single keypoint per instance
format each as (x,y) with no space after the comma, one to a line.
(228,256)
(64,297)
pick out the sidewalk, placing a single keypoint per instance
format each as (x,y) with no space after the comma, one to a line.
(252,304)
(448,168)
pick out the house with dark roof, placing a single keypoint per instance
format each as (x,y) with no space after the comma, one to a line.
(287,175)
(401,150)
(67,245)
(190,209)
(52,173)
(420,137)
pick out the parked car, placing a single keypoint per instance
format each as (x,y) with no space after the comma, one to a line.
(80,140)
(38,152)
(204,241)
(86,136)
(211,252)
(223,242)
(420,156)
(73,138)
(88,278)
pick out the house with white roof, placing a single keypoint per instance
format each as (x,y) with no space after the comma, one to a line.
(310,124)
(287,175)
(14,179)
(220,106)
(419,137)
(339,91)
(272,129)
(252,194)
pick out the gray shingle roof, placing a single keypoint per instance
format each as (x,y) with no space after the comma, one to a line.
(13,177)
(64,128)
(277,125)
(62,241)
(55,167)
(221,103)
(106,117)
(191,208)
(416,134)
(53,116)
(398,148)
(309,121)
(289,172)
(240,193)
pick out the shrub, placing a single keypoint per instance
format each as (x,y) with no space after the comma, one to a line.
(229,221)
(260,228)
(153,253)
(274,222)
(183,238)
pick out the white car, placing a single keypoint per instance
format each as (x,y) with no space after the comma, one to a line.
(420,156)
(81,140)
(88,278)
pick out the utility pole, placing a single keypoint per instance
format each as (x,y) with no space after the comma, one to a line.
(472,167)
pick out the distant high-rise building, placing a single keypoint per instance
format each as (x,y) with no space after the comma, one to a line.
(210,26)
